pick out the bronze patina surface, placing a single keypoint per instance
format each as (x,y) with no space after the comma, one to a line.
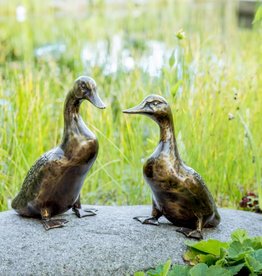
(179,193)
(52,185)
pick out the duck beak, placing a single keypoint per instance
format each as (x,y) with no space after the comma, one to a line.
(96,101)
(139,109)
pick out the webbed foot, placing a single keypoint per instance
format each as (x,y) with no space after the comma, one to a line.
(54,223)
(147,220)
(81,213)
(189,233)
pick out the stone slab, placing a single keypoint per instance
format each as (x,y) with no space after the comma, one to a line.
(111,243)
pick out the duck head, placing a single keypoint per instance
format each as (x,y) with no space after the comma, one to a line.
(153,106)
(85,89)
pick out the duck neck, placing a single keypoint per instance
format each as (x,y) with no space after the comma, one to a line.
(71,108)
(71,115)
(167,136)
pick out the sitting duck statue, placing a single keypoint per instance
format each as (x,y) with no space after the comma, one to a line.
(179,193)
(52,185)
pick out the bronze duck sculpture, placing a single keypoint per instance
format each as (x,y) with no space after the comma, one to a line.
(179,193)
(52,185)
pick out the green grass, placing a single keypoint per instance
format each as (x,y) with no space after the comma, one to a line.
(221,74)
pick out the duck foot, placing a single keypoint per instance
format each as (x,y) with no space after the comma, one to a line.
(189,233)
(147,220)
(80,213)
(54,223)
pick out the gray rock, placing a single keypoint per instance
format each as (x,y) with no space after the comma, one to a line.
(111,243)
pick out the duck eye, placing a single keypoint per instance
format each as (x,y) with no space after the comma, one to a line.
(83,85)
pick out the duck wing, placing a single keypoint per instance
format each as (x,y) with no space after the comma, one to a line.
(201,197)
(34,178)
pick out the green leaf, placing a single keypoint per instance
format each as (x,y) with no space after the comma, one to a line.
(172,59)
(223,254)
(213,257)
(253,265)
(166,268)
(254,261)
(198,270)
(139,273)
(179,270)
(235,268)
(155,272)
(160,270)
(190,256)
(209,246)
(217,271)
(258,15)
(221,262)
(208,259)
(247,243)
(239,235)
(257,255)
(256,242)
(237,251)
(175,87)
(193,257)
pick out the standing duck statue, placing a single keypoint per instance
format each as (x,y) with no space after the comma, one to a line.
(52,185)
(179,193)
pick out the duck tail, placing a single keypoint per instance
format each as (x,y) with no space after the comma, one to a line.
(18,202)
(214,220)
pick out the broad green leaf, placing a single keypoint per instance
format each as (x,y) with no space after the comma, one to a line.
(247,243)
(235,268)
(208,259)
(236,251)
(193,257)
(179,270)
(198,270)
(253,265)
(239,235)
(209,246)
(257,255)
(215,270)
